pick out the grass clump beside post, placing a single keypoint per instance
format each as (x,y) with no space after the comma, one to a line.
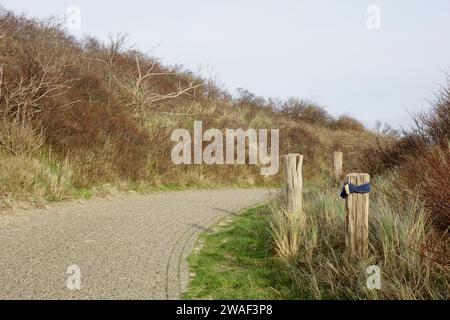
(399,244)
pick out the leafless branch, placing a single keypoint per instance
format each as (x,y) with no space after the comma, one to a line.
(142,93)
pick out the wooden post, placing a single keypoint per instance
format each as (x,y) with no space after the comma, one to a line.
(337,161)
(294,182)
(357,209)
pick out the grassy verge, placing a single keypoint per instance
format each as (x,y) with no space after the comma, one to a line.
(235,262)
(267,253)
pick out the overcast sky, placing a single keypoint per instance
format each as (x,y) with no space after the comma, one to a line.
(321,50)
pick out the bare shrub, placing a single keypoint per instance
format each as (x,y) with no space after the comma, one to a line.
(307,111)
(434,126)
(347,123)
(429,176)
(421,159)
(20,139)
(141,94)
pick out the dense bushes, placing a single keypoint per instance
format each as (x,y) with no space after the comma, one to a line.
(48,93)
(421,159)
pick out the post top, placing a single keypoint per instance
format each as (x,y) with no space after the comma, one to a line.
(357,178)
(294,155)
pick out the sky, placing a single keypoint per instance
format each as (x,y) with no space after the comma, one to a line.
(374,60)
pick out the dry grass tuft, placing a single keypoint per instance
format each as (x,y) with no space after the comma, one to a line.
(35,179)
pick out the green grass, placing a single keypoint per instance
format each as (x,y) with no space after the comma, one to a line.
(235,262)
(84,193)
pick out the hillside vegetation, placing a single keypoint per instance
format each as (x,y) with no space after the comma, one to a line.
(420,160)
(80,115)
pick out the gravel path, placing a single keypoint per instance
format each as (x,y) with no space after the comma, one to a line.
(133,247)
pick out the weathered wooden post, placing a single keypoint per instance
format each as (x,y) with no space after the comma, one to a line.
(294,182)
(357,209)
(337,161)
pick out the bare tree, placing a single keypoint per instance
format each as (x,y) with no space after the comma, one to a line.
(108,59)
(22,99)
(135,81)
(142,93)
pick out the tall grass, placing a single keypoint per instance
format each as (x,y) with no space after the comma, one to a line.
(35,179)
(399,238)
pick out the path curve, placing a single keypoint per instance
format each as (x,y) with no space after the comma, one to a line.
(132,247)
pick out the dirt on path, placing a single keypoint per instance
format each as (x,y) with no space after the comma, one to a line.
(133,247)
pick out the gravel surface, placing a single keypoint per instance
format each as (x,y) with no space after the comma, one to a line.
(132,247)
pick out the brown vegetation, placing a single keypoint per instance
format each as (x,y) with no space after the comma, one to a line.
(420,160)
(107,112)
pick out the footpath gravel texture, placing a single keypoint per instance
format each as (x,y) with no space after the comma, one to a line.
(130,247)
